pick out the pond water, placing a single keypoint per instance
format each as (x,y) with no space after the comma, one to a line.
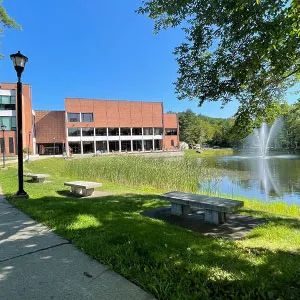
(273,178)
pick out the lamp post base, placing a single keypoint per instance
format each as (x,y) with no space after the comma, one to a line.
(21,194)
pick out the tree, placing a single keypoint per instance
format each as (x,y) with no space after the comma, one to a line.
(234,49)
(6,21)
(188,123)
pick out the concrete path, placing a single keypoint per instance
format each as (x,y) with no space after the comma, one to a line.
(35,263)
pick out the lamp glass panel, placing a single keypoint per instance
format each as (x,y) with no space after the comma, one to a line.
(19,61)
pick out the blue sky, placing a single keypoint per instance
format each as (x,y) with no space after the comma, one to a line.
(95,49)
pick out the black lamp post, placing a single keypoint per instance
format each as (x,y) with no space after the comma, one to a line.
(54,146)
(29,134)
(3,127)
(19,61)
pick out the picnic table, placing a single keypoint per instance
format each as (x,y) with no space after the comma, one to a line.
(215,208)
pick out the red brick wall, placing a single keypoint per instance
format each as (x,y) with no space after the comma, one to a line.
(115,113)
(171,121)
(7,135)
(50,124)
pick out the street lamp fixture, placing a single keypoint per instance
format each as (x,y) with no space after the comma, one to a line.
(19,62)
(3,127)
(53,146)
(28,149)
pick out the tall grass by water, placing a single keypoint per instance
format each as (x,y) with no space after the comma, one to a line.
(158,173)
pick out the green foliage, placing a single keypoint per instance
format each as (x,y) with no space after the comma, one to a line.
(158,173)
(6,21)
(26,149)
(165,260)
(246,50)
(198,129)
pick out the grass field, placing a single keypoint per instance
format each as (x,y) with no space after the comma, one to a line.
(165,260)
(208,152)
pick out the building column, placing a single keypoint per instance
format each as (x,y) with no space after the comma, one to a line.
(95,148)
(81,143)
(153,145)
(107,142)
(143,148)
(120,140)
(131,142)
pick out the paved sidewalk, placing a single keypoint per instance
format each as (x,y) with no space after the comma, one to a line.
(35,263)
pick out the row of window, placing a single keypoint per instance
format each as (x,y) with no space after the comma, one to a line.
(115,131)
(80,117)
(10,145)
(112,146)
(9,122)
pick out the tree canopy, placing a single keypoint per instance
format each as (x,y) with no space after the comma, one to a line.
(234,49)
(6,21)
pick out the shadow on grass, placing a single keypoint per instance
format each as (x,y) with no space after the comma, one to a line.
(279,220)
(169,262)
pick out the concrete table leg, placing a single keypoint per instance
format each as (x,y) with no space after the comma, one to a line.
(87,192)
(214,217)
(76,190)
(39,180)
(179,210)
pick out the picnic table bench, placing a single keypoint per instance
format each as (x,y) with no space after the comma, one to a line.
(215,209)
(82,188)
(38,178)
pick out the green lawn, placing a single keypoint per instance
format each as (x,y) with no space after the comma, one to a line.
(165,260)
(208,152)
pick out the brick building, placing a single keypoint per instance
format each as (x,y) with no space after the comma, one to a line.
(8,117)
(89,125)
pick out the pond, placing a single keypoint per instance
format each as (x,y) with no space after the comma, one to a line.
(273,178)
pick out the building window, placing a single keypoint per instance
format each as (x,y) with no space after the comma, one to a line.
(73,131)
(114,146)
(74,148)
(101,146)
(125,131)
(88,147)
(148,145)
(136,131)
(87,117)
(137,145)
(158,144)
(9,122)
(11,145)
(101,132)
(126,146)
(148,131)
(113,131)
(171,131)
(7,106)
(172,143)
(73,117)
(13,123)
(7,103)
(158,131)
(87,131)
